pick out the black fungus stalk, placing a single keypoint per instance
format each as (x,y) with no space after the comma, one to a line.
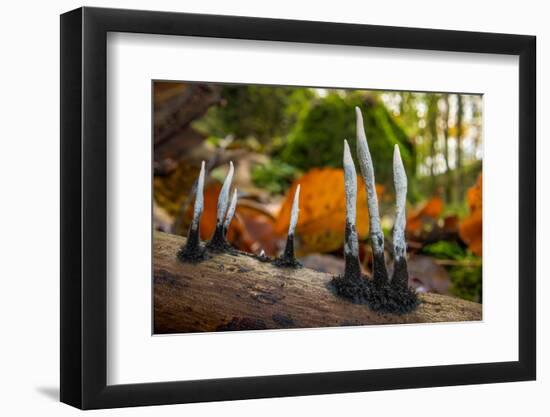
(288,259)
(218,242)
(379,273)
(192,250)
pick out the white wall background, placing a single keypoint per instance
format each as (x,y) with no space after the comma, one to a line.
(29,212)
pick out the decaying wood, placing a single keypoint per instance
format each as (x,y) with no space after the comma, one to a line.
(176,106)
(175,111)
(238,292)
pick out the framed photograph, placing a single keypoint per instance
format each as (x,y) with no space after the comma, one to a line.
(257,208)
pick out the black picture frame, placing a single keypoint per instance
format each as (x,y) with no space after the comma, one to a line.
(84,207)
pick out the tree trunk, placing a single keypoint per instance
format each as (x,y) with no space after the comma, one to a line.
(458,170)
(432,128)
(240,292)
(448,172)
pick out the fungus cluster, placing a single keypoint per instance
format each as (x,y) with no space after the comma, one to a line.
(192,251)
(379,292)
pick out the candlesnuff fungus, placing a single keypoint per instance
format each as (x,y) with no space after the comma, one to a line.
(287,259)
(400,275)
(218,242)
(379,273)
(351,243)
(380,294)
(192,251)
(262,257)
(230,212)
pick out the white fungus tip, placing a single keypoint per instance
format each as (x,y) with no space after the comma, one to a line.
(362,146)
(231,210)
(294,212)
(223,198)
(400,184)
(396,152)
(347,152)
(367,172)
(399,174)
(350,185)
(359,118)
(346,147)
(199,198)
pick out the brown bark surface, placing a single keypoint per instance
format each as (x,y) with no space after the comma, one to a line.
(239,292)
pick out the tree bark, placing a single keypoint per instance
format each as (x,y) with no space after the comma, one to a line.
(448,173)
(432,128)
(240,292)
(459,133)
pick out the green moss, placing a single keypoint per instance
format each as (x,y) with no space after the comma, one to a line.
(255,111)
(445,250)
(466,275)
(275,176)
(318,136)
(466,282)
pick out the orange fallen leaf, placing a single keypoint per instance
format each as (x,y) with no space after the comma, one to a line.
(471,228)
(431,209)
(258,230)
(322,218)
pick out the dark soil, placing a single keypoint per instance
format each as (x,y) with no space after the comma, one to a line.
(287,259)
(384,298)
(218,243)
(192,252)
(284,262)
(379,271)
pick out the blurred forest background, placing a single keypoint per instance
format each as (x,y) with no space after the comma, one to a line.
(278,137)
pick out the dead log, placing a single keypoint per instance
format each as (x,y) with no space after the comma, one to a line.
(240,292)
(180,106)
(176,106)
